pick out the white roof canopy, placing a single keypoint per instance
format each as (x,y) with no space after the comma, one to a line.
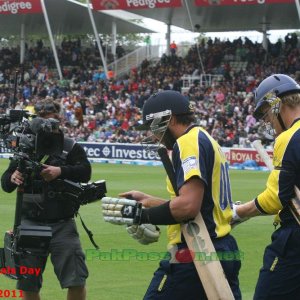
(218,18)
(65,17)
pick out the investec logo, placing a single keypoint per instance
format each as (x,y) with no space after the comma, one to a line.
(149,3)
(15,6)
(120,153)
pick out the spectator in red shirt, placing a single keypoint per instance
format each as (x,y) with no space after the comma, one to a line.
(173,48)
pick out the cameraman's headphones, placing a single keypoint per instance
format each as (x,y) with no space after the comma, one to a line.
(44,108)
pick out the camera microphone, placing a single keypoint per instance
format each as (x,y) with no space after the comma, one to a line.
(37,124)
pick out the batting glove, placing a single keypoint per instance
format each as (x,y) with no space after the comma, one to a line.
(121,211)
(145,233)
(236,219)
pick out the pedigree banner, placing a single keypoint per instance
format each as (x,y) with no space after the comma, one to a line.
(134,4)
(240,2)
(14,7)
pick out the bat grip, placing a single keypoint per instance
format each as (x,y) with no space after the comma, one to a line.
(163,153)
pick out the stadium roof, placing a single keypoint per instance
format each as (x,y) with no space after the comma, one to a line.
(219,18)
(65,17)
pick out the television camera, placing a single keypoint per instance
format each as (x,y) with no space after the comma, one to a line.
(29,139)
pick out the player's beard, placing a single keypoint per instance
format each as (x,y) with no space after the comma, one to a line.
(168,139)
(152,143)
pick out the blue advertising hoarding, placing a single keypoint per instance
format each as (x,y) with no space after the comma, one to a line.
(119,152)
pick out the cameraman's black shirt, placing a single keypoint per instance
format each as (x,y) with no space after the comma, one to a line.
(76,168)
(53,204)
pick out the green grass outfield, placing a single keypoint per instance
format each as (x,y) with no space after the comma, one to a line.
(128,279)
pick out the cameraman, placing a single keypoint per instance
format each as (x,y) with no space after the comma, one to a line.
(43,205)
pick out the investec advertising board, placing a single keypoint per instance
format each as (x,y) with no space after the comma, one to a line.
(123,153)
(136,152)
(120,152)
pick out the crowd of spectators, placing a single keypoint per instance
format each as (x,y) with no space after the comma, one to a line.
(101,109)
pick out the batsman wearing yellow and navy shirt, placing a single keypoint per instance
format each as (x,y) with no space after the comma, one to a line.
(202,181)
(280,185)
(196,153)
(278,106)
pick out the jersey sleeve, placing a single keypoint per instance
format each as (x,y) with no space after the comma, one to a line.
(190,157)
(268,201)
(280,184)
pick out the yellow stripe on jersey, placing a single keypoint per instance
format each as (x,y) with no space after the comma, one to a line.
(269,200)
(199,155)
(173,231)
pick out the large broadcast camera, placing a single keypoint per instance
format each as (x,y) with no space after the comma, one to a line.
(29,139)
(28,136)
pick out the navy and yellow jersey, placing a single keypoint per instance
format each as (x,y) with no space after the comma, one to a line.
(286,174)
(197,154)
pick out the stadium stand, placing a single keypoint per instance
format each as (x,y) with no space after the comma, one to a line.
(97,109)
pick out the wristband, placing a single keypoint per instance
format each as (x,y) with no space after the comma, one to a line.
(235,216)
(158,215)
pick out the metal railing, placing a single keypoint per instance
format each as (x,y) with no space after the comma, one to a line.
(203,79)
(124,64)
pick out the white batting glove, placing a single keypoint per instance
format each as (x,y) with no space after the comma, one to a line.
(145,233)
(121,211)
(236,219)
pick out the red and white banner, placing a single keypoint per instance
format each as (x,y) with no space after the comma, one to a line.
(239,156)
(239,2)
(134,4)
(13,7)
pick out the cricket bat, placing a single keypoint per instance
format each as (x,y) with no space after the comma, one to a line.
(210,272)
(294,204)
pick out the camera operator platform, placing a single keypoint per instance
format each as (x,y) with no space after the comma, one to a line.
(44,204)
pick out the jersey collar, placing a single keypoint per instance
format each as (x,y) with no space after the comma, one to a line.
(295,121)
(189,128)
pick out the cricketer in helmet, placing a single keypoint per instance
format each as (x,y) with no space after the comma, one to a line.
(158,113)
(276,98)
(278,103)
(200,183)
